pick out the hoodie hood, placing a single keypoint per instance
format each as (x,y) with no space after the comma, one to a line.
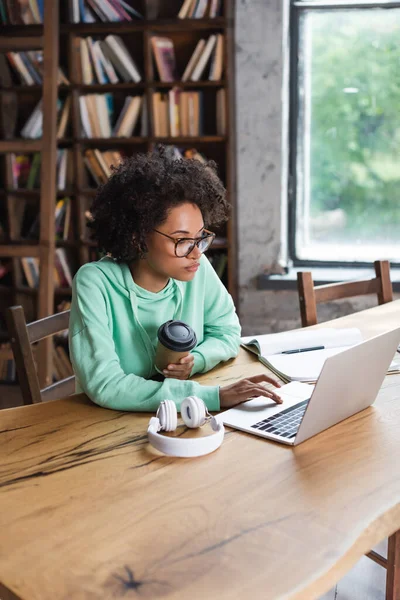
(120,279)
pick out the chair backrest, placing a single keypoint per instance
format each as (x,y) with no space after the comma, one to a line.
(310,295)
(22,335)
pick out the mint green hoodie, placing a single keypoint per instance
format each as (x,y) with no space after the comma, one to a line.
(113,339)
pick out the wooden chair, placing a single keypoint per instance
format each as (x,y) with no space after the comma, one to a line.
(310,295)
(22,336)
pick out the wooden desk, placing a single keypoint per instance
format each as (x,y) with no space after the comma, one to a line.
(88,510)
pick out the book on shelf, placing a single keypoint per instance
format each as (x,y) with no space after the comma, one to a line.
(97,115)
(193,60)
(30,268)
(18,167)
(23,170)
(63,219)
(217,59)
(115,49)
(128,117)
(208,51)
(28,67)
(177,113)
(99,163)
(63,223)
(198,9)
(14,12)
(164,56)
(300,355)
(62,270)
(90,11)
(204,58)
(33,128)
(221,112)
(96,112)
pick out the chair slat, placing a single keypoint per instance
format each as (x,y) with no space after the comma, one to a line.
(22,336)
(23,355)
(335,291)
(310,295)
(43,328)
(382,270)
(65,387)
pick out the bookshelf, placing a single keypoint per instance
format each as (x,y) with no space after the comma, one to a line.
(61,41)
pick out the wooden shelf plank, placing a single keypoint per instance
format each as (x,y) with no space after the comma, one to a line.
(141,26)
(205,139)
(16,250)
(20,145)
(187,84)
(113,141)
(35,193)
(111,87)
(12,43)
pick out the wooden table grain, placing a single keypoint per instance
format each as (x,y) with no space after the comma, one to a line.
(89,510)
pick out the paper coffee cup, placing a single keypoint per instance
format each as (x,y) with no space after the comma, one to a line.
(175,340)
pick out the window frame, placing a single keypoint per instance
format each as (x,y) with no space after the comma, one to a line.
(297,8)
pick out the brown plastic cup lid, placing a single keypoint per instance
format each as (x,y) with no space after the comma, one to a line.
(177,336)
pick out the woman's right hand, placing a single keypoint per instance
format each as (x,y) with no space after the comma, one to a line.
(245,389)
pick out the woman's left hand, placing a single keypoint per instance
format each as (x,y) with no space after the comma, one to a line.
(182,369)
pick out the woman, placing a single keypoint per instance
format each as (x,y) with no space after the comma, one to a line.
(151,218)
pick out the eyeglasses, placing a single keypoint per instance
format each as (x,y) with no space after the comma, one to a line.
(184,246)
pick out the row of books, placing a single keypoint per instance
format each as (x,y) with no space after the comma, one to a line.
(28,66)
(25,170)
(33,127)
(29,12)
(179,113)
(208,52)
(90,11)
(62,270)
(200,9)
(30,221)
(26,173)
(105,60)
(97,116)
(99,163)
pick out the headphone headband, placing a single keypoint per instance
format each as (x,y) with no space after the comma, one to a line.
(194,414)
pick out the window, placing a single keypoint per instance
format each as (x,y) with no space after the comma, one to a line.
(345,158)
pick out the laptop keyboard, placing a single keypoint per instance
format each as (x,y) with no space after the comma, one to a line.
(285,423)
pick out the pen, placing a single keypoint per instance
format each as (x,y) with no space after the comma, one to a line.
(303,350)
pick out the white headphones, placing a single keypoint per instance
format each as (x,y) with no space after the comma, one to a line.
(194,414)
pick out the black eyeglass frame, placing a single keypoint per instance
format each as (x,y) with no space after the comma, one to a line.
(196,241)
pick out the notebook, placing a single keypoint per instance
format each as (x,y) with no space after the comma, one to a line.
(304,365)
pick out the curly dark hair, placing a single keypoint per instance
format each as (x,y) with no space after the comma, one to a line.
(140,191)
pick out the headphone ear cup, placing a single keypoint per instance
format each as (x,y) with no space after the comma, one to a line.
(193,412)
(167,415)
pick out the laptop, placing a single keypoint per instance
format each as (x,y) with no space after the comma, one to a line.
(348,383)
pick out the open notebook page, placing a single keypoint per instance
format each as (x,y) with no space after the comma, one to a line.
(274,343)
(307,366)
